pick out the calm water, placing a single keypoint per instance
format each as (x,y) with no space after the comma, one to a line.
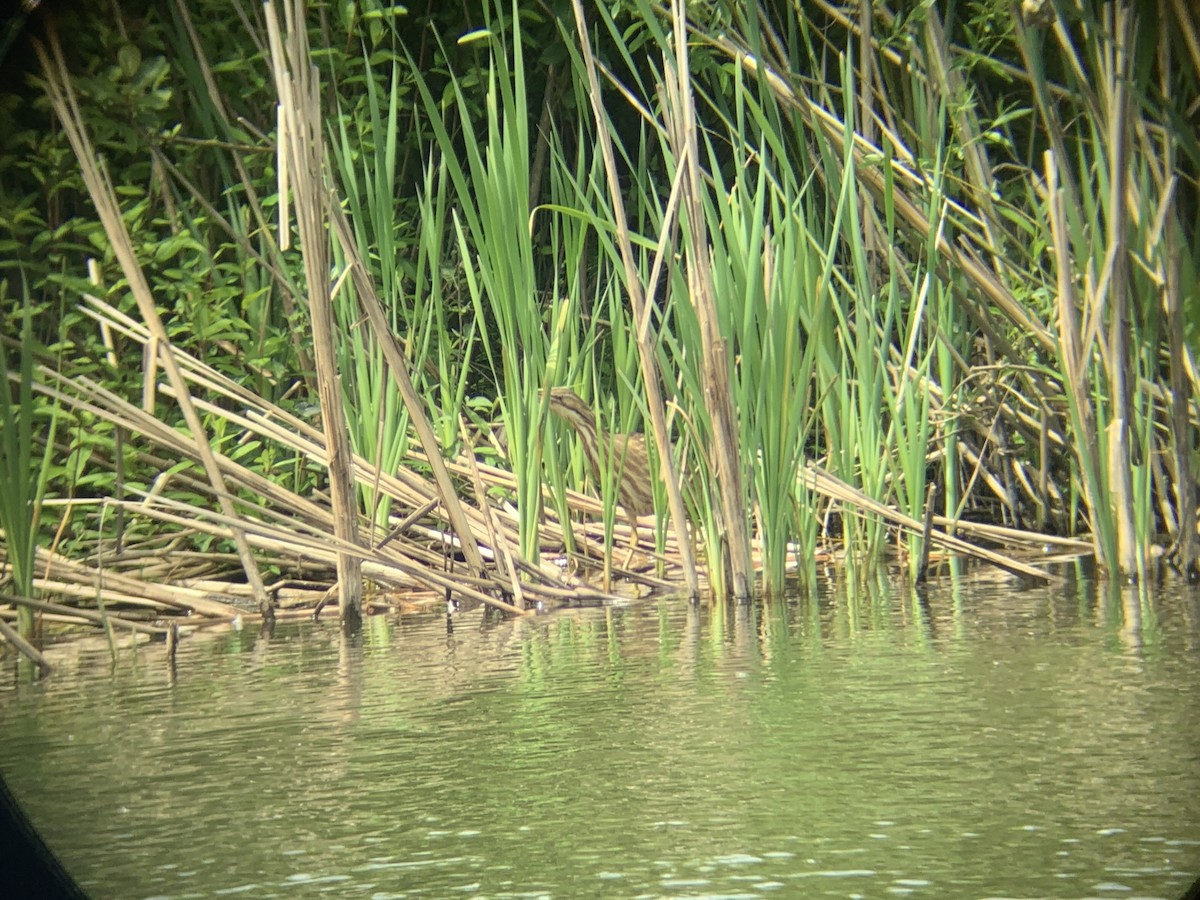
(984,741)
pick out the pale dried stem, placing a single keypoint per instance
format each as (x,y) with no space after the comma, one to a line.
(637,301)
(62,100)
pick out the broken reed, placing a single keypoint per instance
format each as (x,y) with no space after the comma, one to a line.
(877,306)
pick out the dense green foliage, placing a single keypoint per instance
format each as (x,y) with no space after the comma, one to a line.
(878,240)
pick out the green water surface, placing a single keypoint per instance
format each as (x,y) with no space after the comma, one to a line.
(979,740)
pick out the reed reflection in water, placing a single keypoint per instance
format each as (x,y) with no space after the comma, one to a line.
(984,742)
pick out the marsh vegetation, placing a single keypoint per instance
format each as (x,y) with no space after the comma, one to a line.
(287,290)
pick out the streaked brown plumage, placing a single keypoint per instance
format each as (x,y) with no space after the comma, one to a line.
(626,455)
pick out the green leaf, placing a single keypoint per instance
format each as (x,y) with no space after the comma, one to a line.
(129,59)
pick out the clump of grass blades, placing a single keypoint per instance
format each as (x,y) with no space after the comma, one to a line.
(23,475)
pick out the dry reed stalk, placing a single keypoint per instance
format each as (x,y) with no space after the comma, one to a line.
(278,426)
(369,303)
(724,456)
(62,100)
(84,616)
(1014,537)
(286,527)
(390,567)
(315,517)
(980,471)
(273,423)
(25,648)
(1075,340)
(502,546)
(1113,290)
(833,488)
(70,578)
(1187,546)
(551,532)
(639,307)
(301,145)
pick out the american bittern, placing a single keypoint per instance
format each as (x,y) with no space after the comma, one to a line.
(626,454)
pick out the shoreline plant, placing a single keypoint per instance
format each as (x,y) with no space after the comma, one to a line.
(864,283)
